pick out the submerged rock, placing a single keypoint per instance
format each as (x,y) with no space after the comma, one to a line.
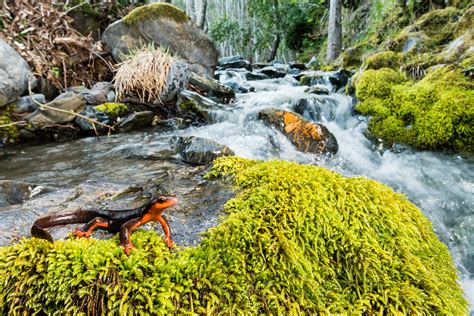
(309,137)
(162,24)
(199,151)
(256,76)
(67,101)
(14,74)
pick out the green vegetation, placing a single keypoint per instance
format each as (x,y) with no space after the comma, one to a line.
(296,239)
(113,109)
(434,113)
(8,133)
(155,10)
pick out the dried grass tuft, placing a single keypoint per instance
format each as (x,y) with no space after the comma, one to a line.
(144,73)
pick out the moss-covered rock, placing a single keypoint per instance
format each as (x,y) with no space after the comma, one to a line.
(155,10)
(434,113)
(387,59)
(113,109)
(297,239)
(376,83)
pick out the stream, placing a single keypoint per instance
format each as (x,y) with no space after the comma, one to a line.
(441,185)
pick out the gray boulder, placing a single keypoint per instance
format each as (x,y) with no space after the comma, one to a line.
(199,151)
(14,74)
(68,101)
(162,24)
(26,103)
(178,78)
(96,95)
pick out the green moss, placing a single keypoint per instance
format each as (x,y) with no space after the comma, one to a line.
(10,133)
(465,22)
(434,113)
(113,109)
(376,83)
(155,10)
(386,59)
(296,240)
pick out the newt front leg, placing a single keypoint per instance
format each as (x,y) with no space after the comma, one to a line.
(125,232)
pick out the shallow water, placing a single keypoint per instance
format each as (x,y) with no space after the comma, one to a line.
(442,185)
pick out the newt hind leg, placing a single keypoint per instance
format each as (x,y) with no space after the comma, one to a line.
(86,231)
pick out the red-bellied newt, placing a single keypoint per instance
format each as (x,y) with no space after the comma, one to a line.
(122,221)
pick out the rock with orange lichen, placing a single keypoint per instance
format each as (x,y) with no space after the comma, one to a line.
(307,136)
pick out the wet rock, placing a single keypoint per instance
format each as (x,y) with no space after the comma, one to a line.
(199,151)
(173,124)
(310,78)
(196,106)
(26,103)
(68,101)
(260,65)
(111,96)
(234,62)
(293,72)
(256,76)
(307,136)
(278,71)
(317,89)
(136,120)
(166,26)
(96,95)
(14,74)
(240,88)
(308,108)
(299,66)
(15,192)
(93,113)
(313,63)
(212,88)
(340,78)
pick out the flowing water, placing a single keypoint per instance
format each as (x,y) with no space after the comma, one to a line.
(442,185)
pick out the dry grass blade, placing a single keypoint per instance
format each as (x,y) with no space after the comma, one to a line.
(144,73)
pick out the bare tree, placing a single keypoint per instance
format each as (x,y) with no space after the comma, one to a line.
(201,22)
(334,31)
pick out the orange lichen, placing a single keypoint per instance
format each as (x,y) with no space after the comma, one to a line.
(303,133)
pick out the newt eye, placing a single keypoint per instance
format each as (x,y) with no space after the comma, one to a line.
(161,199)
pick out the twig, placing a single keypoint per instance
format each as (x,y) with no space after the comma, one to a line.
(14,123)
(92,121)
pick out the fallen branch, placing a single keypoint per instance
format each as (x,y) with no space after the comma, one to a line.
(91,121)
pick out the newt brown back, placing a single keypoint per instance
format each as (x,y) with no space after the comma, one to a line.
(122,221)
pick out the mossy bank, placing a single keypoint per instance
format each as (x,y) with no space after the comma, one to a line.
(296,239)
(153,10)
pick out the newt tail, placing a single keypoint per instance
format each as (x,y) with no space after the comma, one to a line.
(122,221)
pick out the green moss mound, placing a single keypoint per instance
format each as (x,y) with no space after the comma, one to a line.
(434,113)
(113,109)
(155,10)
(296,239)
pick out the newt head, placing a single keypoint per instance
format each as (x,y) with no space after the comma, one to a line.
(164,201)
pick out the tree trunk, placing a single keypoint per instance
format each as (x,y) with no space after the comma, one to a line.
(275,46)
(202,17)
(334,31)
